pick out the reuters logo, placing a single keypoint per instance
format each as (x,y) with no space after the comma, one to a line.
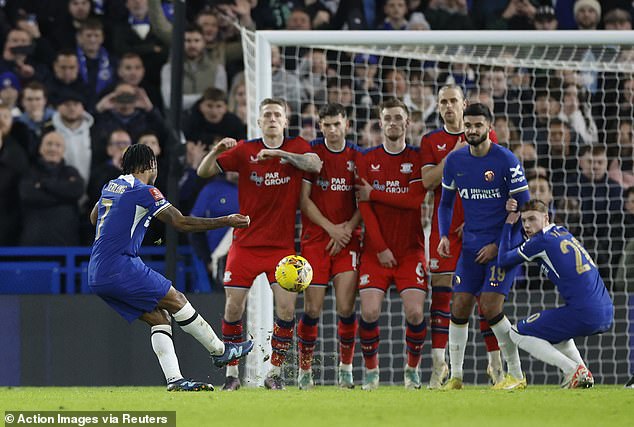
(488,176)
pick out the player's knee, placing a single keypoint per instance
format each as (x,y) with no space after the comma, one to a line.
(490,311)
(156,317)
(313,310)
(370,314)
(345,310)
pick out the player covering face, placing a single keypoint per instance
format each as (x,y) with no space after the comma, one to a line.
(117,274)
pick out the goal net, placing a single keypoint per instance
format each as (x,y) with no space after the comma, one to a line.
(553,105)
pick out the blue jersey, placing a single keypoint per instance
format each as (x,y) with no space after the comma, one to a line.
(125,210)
(564,260)
(484,185)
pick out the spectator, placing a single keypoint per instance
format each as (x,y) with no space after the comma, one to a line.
(132,71)
(10,91)
(151,139)
(96,66)
(13,163)
(417,22)
(48,194)
(576,111)
(137,35)
(73,122)
(587,14)
(77,12)
(286,85)
(621,155)
(356,15)
(17,57)
(394,84)
(545,18)
(238,97)
(66,78)
(36,112)
(209,117)
(558,155)
(118,142)
(199,70)
(618,19)
(190,183)
(126,108)
(395,15)
(448,15)
(313,72)
(366,85)
(503,14)
(42,49)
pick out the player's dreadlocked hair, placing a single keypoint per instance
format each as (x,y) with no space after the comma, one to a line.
(138,158)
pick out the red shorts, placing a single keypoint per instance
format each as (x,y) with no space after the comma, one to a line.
(325,266)
(438,264)
(410,273)
(245,264)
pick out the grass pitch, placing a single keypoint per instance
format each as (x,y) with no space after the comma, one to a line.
(543,406)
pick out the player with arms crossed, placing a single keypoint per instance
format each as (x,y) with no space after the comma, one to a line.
(485,175)
(435,146)
(588,310)
(330,243)
(271,169)
(394,250)
(117,274)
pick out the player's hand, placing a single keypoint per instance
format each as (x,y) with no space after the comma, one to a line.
(460,143)
(363,190)
(333,248)
(443,247)
(487,253)
(511,205)
(340,234)
(512,217)
(224,145)
(460,230)
(238,220)
(268,153)
(386,258)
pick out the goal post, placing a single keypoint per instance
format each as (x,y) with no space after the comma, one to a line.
(585,72)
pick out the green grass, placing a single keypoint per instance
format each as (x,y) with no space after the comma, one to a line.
(610,406)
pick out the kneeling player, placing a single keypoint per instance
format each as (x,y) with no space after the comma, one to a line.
(548,335)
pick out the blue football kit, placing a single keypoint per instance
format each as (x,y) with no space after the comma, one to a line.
(588,308)
(484,184)
(115,272)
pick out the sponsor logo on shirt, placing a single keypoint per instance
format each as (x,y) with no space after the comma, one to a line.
(269,179)
(364,280)
(433,263)
(489,175)
(516,174)
(227,277)
(350,165)
(407,167)
(253,159)
(442,147)
(375,168)
(155,192)
(390,186)
(480,193)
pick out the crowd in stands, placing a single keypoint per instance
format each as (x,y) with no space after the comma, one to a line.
(81,80)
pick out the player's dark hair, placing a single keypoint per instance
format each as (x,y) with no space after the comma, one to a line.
(332,109)
(273,101)
(478,109)
(393,103)
(535,205)
(454,87)
(138,158)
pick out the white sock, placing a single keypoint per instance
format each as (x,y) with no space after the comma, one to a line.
(495,359)
(232,371)
(275,370)
(458,335)
(194,324)
(437,356)
(544,351)
(508,348)
(570,350)
(345,367)
(163,347)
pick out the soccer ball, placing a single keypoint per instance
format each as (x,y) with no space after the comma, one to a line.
(294,273)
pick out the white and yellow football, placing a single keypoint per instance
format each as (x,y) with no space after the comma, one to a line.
(294,273)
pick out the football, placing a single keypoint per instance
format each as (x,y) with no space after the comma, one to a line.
(294,273)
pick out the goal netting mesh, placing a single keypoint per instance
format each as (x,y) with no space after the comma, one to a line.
(550,104)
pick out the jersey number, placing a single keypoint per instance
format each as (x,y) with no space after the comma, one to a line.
(107,203)
(579,250)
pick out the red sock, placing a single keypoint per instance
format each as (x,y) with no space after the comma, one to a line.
(232,332)
(415,338)
(369,336)
(440,316)
(307,337)
(485,329)
(281,340)
(347,329)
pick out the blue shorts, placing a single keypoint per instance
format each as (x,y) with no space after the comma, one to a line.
(474,278)
(134,291)
(563,323)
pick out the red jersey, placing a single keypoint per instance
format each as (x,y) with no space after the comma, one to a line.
(434,147)
(395,200)
(268,191)
(332,188)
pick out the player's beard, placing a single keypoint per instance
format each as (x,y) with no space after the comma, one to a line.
(478,141)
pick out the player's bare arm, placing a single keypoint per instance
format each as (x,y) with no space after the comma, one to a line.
(93,214)
(309,162)
(432,174)
(192,224)
(208,167)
